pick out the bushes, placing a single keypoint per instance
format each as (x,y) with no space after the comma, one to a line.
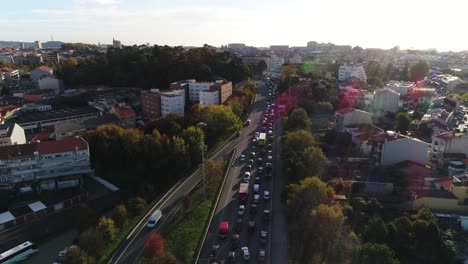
(107,227)
(120,215)
(136,205)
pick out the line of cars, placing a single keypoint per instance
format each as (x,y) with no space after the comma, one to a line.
(256,171)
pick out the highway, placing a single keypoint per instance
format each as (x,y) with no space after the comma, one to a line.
(228,205)
(132,250)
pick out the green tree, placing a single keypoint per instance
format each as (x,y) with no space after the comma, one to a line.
(136,205)
(376,231)
(465,97)
(314,163)
(323,108)
(403,122)
(418,70)
(214,175)
(77,256)
(120,215)
(92,241)
(298,120)
(377,253)
(221,121)
(85,217)
(108,229)
(192,136)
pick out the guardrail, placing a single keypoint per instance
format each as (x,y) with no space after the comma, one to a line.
(213,209)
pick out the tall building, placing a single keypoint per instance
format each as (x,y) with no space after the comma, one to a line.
(223,88)
(155,103)
(38,44)
(51,164)
(116,44)
(352,70)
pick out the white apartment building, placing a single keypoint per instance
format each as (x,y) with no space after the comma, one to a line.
(210,97)
(448,144)
(451,81)
(386,101)
(50,82)
(275,62)
(352,70)
(54,164)
(173,102)
(11,134)
(391,148)
(195,88)
(9,73)
(400,87)
(40,72)
(349,116)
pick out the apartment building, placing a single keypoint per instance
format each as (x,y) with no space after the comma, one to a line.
(125,114)
(448,146)
(10,74)
(156,103)
(386,101)
(400,87)
(210,97)
(223,88)
(52,164)
(352,70)
(349,116)
(40,72)
(391,148)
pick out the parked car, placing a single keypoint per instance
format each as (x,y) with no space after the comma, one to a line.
(242,157)
(263,237)
(241,210)
(256,188)
(246,176)
(245,253)
(261,255)
(266,195)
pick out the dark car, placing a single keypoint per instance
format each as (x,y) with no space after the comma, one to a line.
(235,241)
(251,226)
(214,252)
(253,209)
(238,227)
(266,215)
(263,237)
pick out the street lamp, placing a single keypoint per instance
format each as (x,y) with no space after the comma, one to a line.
(201,125)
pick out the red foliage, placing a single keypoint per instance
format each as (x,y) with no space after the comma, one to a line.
(154,245)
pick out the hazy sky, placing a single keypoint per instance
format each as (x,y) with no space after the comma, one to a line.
(367,23)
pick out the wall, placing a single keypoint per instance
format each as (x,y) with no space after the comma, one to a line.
(397,151)
(17,135)
(386,101)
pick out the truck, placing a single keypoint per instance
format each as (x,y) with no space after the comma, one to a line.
(262,139)
(243,193)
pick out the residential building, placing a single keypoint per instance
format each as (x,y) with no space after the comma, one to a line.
(400,87)
(38,44)
(386,101)
(446,147)
(72,128)
(6,111)
(52,83)
(391,148)
(11,100)
(7,59)
(349,116)
(439,115)
(275,62)
(125,114)
(352,70)
(236,46)
(116,44)
(51,164)
(33,120)
(38,96)
(40,72)
(151,103)
(210,97)
(195,88)
(173,101)
(10,74)
(11,134)
(450,82)
(223,88)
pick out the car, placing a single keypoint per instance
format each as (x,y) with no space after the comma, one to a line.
(251,161)
(257,134)
(238,226)
(235,241)
(264,122)
(231,256)
(270,132)
(266,215)
(263,237)
(241,210)
(253,209)
(154,218)
(270,153)
(246,176)
(256,198)
(252,155)
(260,170)
(248,168)
(261,255)
(242,157)
(254,141)
(238,133)
(248,122)
(266,195)
(259,160)
(257,179)
(245,253)
(251,226)
(270,158)
(256,188)
(270,147)
(214,252)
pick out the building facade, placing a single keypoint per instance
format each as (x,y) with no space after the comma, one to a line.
(352,70)
(447,146)
(349,116)
(386,101)
(11,134)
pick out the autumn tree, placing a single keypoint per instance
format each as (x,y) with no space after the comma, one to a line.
(107,227)
(376,231)
(136,205)
(377,253)
(120,215)
(214,175)
(77,256)
(92,241)
(154,245)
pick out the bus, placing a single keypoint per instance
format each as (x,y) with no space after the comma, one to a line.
(262,139)
(18,253)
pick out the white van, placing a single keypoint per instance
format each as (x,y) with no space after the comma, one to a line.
(154,218)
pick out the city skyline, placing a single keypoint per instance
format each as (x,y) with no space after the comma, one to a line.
(260,24)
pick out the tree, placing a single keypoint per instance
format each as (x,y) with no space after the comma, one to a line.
(92,241)
(403,122)
(108,229)
(154,245)
(418,70)
(314,163)
(192,136)
(85,217)
(120,215)
(465,97)
(214,175)
(220,121)
(376,231)
(323,108)
(377,253)
(288,70)
(297,120)
(166,258)
(136,205)
(77,256)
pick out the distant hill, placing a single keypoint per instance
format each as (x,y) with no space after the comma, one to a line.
(17,44)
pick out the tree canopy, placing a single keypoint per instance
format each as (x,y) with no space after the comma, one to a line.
(403,122)
(418,70)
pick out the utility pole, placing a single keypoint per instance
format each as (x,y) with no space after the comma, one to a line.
(201,125)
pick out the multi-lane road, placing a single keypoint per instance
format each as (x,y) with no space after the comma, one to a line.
(275,245)
(132,250)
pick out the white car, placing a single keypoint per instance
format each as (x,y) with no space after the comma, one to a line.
(270,158)
(270,133)
(241,210)
(266,195)
(256,188)
(242,157)
(245,253)
(246,176)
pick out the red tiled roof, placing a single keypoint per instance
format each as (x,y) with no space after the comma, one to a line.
(124,111)
(345,110)
(64,145)
(445,135)
(45,68)
(6,109)
(7,69)
(445,182)
(43,136)
(17,151)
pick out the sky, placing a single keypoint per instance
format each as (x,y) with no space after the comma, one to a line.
(417,24)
